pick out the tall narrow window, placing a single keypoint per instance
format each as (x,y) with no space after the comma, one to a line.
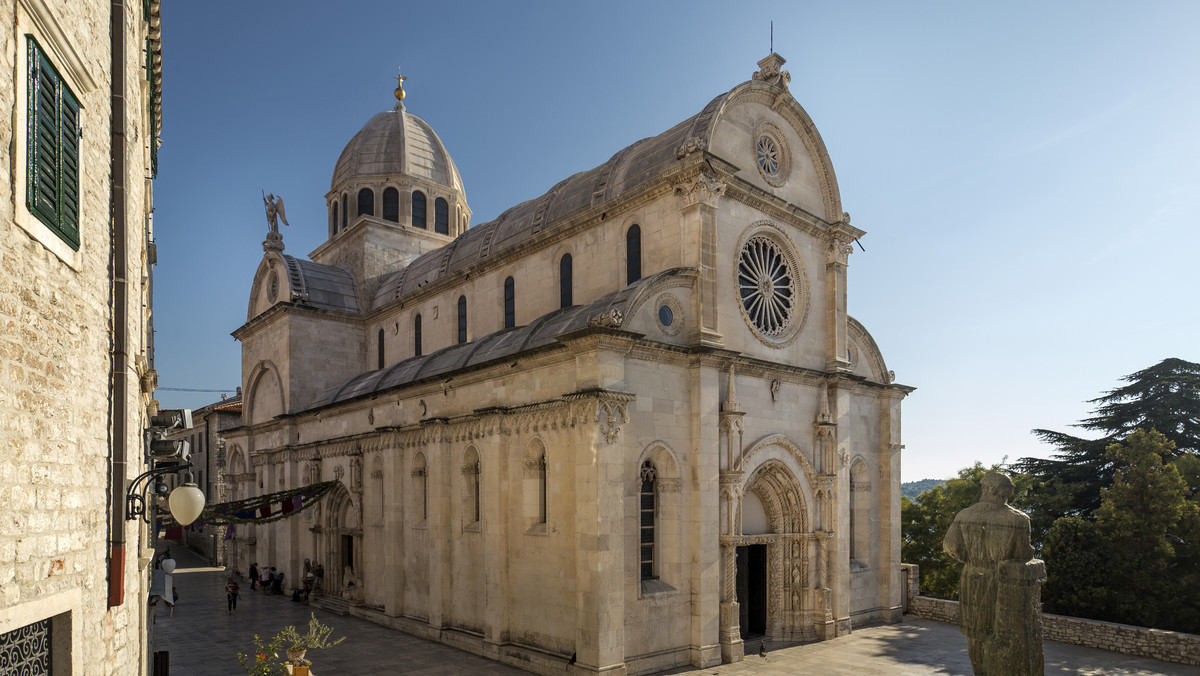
(564,281)
(391,205)
(462,319)
(52,146)
(366,202)
(541,479)
(420,484)
(646,510)
(418,209)
(471,508)
(345,209)
(633,254)
(380,341)
(417,336)
(335,217)
(510,302)
(441,216)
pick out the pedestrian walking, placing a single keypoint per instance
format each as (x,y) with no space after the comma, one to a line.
(231,594)
(253,575)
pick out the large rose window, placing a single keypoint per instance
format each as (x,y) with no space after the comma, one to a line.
(766,286)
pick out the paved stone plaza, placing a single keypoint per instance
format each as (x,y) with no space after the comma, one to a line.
(204,640)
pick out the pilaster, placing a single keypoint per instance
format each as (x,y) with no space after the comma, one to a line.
(698,197)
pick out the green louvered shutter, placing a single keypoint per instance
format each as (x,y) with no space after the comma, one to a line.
(68,193)
(53,143)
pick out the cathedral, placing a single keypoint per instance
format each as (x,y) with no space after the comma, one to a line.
(626,426)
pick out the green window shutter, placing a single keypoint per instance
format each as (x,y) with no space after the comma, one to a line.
(52,192)
(68,211)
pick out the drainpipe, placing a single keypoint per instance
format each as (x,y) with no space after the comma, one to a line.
(118,257)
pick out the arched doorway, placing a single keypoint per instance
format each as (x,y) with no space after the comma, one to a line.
(341,547)
(775,544)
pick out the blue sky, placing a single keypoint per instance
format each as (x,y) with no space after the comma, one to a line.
(1026,172)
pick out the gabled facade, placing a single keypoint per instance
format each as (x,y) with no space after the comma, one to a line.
(627,423)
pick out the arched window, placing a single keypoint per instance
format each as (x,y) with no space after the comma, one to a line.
(345,210)
(633,254)
(510,302)
(418,209)
(380,346)
(391,205)
(462,319)
(366,202)
(335,217)
(417,336)
(860,512)
(471,492)
(564,281)
(420,475)
(541,479)
(646,512)
(441,216)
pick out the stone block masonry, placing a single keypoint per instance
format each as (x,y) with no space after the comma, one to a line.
(1168,646)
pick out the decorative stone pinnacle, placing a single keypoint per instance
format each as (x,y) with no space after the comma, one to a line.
(770,71)
(731,403)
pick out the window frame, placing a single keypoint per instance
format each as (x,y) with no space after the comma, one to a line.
(565,281)
(58,211)
(417,335)
(441,216)
(510,303)
(462,320)
(647,535)
(633,254)
(422,221)
(391,204)
(362,209)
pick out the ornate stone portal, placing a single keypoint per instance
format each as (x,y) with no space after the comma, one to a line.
(1000,588)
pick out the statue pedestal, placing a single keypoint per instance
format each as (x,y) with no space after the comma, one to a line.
(1016,646)
(273,242)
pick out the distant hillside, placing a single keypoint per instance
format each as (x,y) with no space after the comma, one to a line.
(912,489)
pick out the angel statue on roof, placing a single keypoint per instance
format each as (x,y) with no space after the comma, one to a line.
(275,212)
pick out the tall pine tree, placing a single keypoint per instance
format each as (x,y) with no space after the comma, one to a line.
(1164,397)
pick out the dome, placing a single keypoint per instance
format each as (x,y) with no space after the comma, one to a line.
(397,143)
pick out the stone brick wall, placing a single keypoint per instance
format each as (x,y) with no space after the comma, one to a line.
(1168,646)
(55,349)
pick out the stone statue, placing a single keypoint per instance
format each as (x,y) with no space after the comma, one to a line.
(1000,588)
(275,212)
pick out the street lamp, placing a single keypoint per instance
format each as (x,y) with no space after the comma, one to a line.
(186,502)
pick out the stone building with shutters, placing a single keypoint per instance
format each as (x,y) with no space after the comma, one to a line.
(79,96)
(626,424)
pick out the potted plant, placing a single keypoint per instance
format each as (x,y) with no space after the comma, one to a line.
(264,660)
(297,644)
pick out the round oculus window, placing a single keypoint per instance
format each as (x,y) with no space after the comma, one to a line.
(670,314)
(273,287)
(771,154)
(766,287)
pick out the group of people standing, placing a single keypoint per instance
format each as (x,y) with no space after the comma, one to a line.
(269,579)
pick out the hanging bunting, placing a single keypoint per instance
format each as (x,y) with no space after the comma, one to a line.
(258,509)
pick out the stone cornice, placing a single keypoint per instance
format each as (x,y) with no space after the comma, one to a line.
(288,308)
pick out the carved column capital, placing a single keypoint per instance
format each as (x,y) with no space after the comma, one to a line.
(704,189)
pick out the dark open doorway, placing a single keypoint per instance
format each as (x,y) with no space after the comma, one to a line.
(752,589)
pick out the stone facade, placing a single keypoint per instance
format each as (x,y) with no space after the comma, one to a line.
(622,425)
(209,469)
(76,371)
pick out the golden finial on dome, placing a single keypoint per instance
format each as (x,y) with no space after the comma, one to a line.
(399,85)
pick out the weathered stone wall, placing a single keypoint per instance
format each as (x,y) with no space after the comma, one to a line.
(55,345)
(1169,646)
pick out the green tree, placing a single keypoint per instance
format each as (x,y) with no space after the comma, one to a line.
(1132,562)
(1163,397)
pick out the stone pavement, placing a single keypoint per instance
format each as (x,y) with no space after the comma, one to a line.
(203,640)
